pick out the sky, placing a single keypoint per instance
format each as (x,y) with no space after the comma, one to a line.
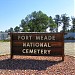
(13,11)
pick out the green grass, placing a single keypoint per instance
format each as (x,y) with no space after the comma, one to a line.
(4,40)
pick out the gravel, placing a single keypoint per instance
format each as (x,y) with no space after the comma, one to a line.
(36,65)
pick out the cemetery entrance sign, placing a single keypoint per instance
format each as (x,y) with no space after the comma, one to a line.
(37,44)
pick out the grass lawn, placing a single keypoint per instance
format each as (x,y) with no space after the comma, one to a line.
(4,40)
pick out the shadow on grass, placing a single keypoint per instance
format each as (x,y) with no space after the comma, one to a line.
(21,64)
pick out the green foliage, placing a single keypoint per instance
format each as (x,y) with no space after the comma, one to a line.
(36,22)
(57,21)
(52,24)
(10,30)
(73,27)
(17,29)
(65,20)
(39,22)
(4,40)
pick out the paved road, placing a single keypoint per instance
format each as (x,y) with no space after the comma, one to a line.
(69,48)
(4,48)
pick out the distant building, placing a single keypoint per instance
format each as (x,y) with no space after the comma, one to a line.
(4,36)
(70,35)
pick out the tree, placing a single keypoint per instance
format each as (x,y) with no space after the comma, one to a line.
(35,22)
(57,21)
(73,22)
(17,29)
(6,31)
(65,20)
(52,24)
(10,30)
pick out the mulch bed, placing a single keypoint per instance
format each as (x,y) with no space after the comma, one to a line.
(36,65)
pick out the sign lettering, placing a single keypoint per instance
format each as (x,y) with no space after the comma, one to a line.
(49,44)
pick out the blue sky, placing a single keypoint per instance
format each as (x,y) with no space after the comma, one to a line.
(13,11)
